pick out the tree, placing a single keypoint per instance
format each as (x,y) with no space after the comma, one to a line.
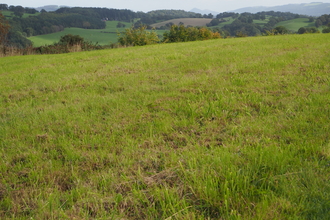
(4,29)
(302,30)
(3,7)
(18,11)
(214,22)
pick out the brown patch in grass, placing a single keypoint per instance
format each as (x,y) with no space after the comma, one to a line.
(42,137)
(175,140)
(165,177)
(62,180)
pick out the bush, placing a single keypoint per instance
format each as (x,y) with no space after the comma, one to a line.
(180,33)
(71,40)
(137,37)
(280,30)
(326,30)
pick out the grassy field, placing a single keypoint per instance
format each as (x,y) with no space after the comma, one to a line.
(102,36)
(220,129)
(186,21)
(297,23)
(10,14)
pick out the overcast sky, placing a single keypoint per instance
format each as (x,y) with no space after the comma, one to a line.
(149,5)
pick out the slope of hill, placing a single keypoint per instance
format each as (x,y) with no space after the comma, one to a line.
(295,24)
(101,36)
(219,129)
(312,9)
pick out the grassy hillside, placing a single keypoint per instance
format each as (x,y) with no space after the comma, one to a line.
(102,36)
(297,23)
(10,14)
(221,129)
(187,21)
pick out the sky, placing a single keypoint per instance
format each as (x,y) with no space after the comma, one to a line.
(149,5)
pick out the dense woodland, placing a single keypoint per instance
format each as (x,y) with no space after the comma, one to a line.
(39,23)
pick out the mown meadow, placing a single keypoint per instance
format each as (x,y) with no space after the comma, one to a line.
(222,129)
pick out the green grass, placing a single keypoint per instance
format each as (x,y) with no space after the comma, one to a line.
(102,36)
(220,129)
(10,14)
(297,23)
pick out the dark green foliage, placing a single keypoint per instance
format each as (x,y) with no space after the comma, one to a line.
(18,40)
(11,36)
(210,15)
(281,30)
(227,14)
(326,30)
(322,20)
(101,13)
(215,22)
(304,30)
(3,7)
(18,10)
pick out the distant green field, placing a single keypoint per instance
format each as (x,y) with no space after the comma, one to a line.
(295,24)
(102,36)
(10,14)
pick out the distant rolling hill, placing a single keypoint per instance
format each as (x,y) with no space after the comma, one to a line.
(206,11)
(312,9)
(51,7)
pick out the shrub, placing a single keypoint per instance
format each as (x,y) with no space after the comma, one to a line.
(71,40)
(137,37)
(180,33)
(304,30)
(326,30)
